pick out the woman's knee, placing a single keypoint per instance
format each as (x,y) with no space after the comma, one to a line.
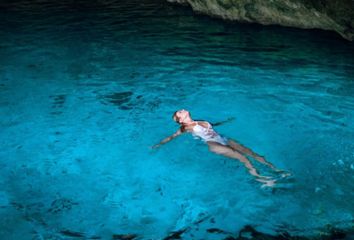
(214,149)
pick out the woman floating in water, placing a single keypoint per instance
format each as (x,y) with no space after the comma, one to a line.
(218,144)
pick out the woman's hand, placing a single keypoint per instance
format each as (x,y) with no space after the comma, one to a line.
(177,133)
(155,146)
(230,119)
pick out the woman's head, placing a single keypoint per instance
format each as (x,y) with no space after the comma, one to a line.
(182,116)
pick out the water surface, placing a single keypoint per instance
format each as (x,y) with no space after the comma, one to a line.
(86,88)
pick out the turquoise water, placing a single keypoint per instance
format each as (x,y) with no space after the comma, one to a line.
(87,88)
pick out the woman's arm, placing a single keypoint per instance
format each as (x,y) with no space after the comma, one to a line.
(177,133)
(222,122)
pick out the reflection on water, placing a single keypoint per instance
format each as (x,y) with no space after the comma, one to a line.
(87,87)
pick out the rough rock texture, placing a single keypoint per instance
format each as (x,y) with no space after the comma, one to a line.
(336,15)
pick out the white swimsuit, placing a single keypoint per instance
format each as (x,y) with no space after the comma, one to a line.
(208,134)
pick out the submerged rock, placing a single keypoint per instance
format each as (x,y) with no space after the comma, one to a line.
(334,15)
(124,236)
(120,99)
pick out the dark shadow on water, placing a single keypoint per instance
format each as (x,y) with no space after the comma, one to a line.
(250,233)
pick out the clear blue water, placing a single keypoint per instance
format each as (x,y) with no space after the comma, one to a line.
(86,88)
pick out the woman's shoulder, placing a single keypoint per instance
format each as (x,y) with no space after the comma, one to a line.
(204,123)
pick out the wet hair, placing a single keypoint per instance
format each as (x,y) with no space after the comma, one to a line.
(174,117)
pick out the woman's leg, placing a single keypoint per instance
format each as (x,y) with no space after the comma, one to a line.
(242,149)
(231,153)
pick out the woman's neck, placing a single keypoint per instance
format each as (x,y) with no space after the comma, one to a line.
(188,122)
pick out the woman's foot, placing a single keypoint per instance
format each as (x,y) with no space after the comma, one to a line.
(253,172)
(283,173)
(266,183)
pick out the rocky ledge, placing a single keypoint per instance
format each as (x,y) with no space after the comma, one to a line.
(335,15)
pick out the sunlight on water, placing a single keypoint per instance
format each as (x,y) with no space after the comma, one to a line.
(87,88)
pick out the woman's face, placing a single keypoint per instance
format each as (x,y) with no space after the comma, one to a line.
(181,115)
